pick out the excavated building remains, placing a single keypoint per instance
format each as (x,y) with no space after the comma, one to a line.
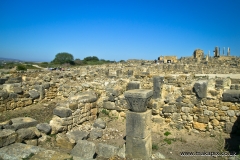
(190,94)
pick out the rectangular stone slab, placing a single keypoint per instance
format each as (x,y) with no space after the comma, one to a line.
(22,122)
(138,124)
(138,148)
(231,96)
(138,93)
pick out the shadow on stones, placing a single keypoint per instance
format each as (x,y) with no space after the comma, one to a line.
(232,144)
(95,155)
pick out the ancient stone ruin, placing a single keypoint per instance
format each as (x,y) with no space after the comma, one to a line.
(189,94)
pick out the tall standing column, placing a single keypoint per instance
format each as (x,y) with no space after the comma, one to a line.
(157,86)
(138,124)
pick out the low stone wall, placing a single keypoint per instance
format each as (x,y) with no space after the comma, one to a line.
(76,110)
(185,101)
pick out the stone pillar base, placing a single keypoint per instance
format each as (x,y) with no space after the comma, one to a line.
(138,124)
(139,148)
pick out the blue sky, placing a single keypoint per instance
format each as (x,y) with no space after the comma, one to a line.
(36,30)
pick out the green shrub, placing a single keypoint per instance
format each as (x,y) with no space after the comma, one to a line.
(155,147)
(21,67)
(104,111)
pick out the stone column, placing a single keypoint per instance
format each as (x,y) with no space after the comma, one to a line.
(157,86)
(133,85)
(138,124)
(216,52)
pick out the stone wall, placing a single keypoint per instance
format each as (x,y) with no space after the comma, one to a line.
(191,95)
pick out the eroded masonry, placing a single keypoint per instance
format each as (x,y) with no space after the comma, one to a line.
(197,93)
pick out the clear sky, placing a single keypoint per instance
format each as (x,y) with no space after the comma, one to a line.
(36,30)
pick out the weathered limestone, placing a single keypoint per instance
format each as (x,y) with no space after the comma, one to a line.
(106,151)
(21,122)
(200,87)
(138,124)
(231,96)
(44,127)
(84,149)
(157,86)
(62,112)
(7,137)
(18,151)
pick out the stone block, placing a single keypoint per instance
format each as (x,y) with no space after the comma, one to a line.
(14,80)
(116,91)
(138,99)
(200,88)
(41,91)
(44,127)
(106,151)
(138,125)
(34,94)
(138,148)
(18,151)
(78,135)
(84,97)
(3,80)
(169,109)
(133,85)
(7,137)
(99,123)
(25,134)
(62,112)
(22,122)
(96,133)
(231,96)
(199,126)
(84,149)
(3,94)
(64,142)
(157,86)
(50,154)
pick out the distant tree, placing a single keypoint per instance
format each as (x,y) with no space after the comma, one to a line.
(63,57)
(78,61)
(122,61)
(93,58)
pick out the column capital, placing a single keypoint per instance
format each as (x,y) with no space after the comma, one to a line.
(137,99)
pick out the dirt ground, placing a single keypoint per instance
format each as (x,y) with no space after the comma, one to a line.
(165,140)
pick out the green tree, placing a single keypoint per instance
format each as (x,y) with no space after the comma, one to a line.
(93,58)
(78,61)
(63,57)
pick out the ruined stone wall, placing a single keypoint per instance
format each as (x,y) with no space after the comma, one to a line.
(85,91)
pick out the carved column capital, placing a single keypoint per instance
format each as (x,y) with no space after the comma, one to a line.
(138,99)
